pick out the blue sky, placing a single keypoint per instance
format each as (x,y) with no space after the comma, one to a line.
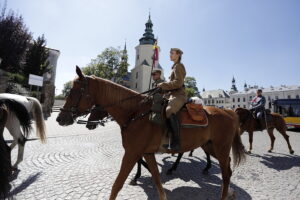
(257,41)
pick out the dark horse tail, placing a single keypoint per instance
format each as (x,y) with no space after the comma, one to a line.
(21,113)
(238,149)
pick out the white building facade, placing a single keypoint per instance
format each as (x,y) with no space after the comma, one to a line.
(243,98)
(218,98)
(141,73)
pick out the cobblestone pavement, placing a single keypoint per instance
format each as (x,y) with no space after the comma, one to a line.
(79,164)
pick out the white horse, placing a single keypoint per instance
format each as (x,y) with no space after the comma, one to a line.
(20,108)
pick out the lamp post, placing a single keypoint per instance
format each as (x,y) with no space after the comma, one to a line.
(115,73)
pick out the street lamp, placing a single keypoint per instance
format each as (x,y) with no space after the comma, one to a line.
(115,72)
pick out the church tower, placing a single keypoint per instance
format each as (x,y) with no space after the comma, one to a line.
(233,87)
(141,73)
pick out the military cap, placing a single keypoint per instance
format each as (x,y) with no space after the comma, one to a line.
(177,50)
(156,71)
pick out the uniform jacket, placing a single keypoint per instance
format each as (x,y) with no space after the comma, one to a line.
(176,84)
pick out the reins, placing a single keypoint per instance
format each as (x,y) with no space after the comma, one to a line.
(128,98)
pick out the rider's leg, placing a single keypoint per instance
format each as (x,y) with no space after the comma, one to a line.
(173,107)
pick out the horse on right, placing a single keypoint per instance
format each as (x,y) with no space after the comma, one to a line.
(273,121)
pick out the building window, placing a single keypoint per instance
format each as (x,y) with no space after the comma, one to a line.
(238,105)
(269,98)
(244,106)
(217,101)
(238,99)
(250,98)
(212,101)
(135,85)
(205,102)
(137,75)
(244,99)
(289,96)
(297,96)
(208,102)
(233,106)
(233,99)
(137,57)
(276,97)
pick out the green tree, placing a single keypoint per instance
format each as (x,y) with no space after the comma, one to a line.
(14,40)
(67,88)
(36,61)
(191,86)
(110,64)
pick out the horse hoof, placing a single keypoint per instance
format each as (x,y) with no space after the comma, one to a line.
(249,152)
(270,151)
(169,172)
(292,152)
(133,183)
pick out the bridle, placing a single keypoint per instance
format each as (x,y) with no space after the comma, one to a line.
(73,110)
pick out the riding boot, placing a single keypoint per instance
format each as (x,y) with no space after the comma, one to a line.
(174,129)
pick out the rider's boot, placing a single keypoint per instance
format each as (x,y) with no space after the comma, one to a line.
(174,127)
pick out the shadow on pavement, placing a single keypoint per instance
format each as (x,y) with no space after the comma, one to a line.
(284,162)
(25,184)
(190,170)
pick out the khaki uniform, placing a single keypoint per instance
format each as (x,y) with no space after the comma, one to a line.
(176,95)
(155,83)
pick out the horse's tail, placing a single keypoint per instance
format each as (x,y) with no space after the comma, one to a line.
(3,116)
(20,112)
(238,149)
(38,118)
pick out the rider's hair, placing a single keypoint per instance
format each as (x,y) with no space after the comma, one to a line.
(178,51)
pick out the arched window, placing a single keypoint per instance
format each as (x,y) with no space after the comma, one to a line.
(297,96)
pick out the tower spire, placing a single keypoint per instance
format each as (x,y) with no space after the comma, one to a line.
(148,36)
(233,86)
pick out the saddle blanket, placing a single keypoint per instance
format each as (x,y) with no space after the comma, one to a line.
(193,116)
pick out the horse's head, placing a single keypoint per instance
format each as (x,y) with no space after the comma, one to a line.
(97,113)
(78,102)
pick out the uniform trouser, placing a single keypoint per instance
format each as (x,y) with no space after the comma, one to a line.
(175,104)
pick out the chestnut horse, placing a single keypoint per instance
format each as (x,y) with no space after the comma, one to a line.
(249,123)
(127,108)
(98,114)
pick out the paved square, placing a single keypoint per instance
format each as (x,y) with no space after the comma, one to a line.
(79,164)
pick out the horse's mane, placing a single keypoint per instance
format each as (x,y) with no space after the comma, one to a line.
(117,93)
(21,113)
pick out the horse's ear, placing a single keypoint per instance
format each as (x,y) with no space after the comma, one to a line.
(79,72)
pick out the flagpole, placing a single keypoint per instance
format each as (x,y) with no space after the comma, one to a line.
(153,63)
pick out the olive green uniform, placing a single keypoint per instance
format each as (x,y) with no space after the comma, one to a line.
(176,95)
(155,83)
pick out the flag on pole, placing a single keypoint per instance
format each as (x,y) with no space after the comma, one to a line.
(155,55)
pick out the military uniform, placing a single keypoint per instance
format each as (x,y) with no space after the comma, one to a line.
(176,91)
(156,82)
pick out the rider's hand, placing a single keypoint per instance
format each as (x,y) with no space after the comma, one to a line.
(159,85)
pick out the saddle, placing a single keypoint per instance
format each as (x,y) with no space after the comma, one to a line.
(193,115)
